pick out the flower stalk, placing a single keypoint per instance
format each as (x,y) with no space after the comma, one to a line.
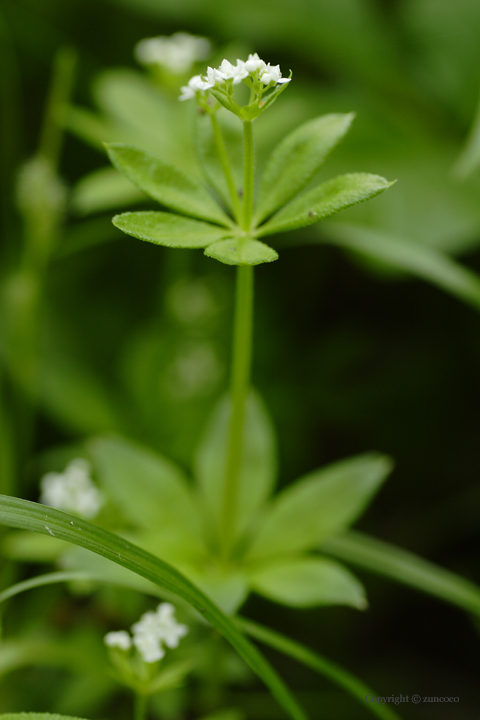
(240,385)
(226,167)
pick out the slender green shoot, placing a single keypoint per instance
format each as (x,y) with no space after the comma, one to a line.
(240,383)
(226,166)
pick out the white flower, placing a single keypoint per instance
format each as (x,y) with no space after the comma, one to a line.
(176,53)
(237,72)
(194,84)
(72,490)
(272,74)
(155,628)
(254,63)
(215,76)
(120,639)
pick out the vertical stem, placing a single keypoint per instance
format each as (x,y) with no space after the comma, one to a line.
(240,383)
(247,174)
(226,167)
(140,709)
(57,105)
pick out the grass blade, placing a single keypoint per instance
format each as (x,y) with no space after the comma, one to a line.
(26,515)
(348,682)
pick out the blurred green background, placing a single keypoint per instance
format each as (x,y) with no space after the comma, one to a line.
(351,353)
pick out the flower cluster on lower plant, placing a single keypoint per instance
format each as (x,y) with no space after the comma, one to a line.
(150,634)
(73,490)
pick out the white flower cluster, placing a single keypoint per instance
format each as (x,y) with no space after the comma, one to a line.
(72,490)
(216,77)
(150,633)
(176,53)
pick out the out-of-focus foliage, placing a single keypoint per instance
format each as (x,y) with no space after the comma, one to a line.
(350,352)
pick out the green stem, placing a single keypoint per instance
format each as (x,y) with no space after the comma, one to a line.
(140,710)
(226,167)
(57,105)
(240,383)
(248,169)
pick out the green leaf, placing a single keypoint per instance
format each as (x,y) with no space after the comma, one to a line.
(307,582)
(327,199)
(419,260)
(26,547)
(405,567)
(39,518)
(166,184)
(258,469)
(170,230)
(104,189)
(296,159)
(231,131)
(241,251)
(322,665)
(469,160)
(319,505)
(152,492)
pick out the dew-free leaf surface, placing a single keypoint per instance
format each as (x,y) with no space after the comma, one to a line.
(162,228)
(296,159)
(165,183)
(327,199)
(319,505)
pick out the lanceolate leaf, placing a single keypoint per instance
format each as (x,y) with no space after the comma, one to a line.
(166,183)
(242,251)
(320,664)
(319,505)
(308,581)
(257,473)
(161,228)
(325,200)
(405,567)
(152,492)
(39,518)
(296,159)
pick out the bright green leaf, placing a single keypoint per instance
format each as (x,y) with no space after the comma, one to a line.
(319,505)
(345,680)
(166,184)
(104,189)
(151,491)
(419,260)
(405,567)
(296,159)
(163,228)
(308,581)
(241,251)
(327,199)
(40,518)
(258,469)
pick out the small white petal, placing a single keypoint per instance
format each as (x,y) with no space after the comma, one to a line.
(120,639)
(254,63)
